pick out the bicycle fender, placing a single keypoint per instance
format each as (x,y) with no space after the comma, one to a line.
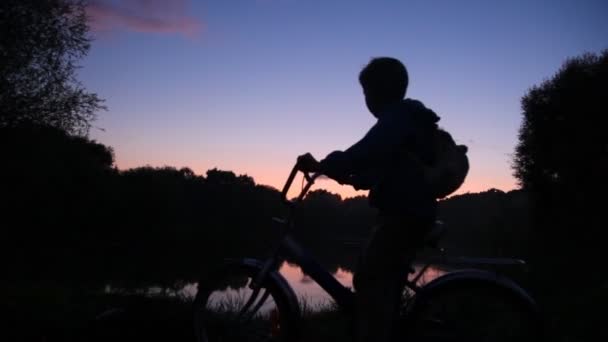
(278,280)
(470,277)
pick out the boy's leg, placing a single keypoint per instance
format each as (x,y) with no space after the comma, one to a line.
(379,275)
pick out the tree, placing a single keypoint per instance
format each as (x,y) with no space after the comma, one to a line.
(40,44)
(563,140)
(56,203)
(562,160)
(562,155)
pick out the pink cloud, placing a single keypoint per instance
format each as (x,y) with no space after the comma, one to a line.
(151,16)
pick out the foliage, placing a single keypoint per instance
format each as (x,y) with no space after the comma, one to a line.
(56,196)
(41,42)
(562,160)
(70,214)
(563,145)
(72,223)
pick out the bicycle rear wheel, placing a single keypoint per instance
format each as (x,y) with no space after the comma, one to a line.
(226,308)
(474,312)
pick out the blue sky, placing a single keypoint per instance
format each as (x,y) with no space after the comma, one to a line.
(249,85)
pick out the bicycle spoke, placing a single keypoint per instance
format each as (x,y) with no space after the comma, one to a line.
(258,305)
(252,298)
(238,312)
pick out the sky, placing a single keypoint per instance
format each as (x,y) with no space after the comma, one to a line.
(248,85)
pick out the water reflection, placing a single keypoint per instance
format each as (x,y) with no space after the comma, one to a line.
(304,287)
(307,289)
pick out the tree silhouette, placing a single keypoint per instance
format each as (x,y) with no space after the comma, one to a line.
(562,153)
(41,42)
(563,145)
(72,223)
(55,203)
(562,160)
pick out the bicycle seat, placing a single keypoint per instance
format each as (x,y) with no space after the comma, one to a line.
(434,235)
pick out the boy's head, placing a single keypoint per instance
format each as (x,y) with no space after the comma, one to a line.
(384,81)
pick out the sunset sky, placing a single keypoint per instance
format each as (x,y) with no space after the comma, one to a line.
(248,85)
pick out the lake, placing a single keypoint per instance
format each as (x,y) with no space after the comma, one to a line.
(307,289)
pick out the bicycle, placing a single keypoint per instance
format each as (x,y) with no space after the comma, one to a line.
(248,299)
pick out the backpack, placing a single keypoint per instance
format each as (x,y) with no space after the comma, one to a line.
(451,165)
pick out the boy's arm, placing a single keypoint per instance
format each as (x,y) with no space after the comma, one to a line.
(379,143)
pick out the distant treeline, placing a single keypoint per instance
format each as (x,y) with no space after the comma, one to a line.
(70,216)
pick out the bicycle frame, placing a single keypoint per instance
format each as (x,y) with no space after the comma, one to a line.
(413,312)
(288,249)
(343,296)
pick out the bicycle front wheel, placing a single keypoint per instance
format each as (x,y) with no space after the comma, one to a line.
(474,312)
(227,307)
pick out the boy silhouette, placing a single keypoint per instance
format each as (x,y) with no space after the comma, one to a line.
(406,206)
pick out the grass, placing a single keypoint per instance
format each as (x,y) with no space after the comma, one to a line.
(96,317)
(323,321)
(128,317)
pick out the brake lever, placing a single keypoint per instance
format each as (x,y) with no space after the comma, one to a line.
(308,177)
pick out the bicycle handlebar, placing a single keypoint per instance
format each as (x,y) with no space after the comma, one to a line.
(310,179)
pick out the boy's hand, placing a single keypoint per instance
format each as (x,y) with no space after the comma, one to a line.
(308,163)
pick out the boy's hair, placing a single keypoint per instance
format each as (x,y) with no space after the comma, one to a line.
(386,76)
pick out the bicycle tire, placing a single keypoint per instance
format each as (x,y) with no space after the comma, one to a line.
(222,295)
(472,310)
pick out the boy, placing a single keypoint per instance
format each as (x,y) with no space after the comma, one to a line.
(406,206)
